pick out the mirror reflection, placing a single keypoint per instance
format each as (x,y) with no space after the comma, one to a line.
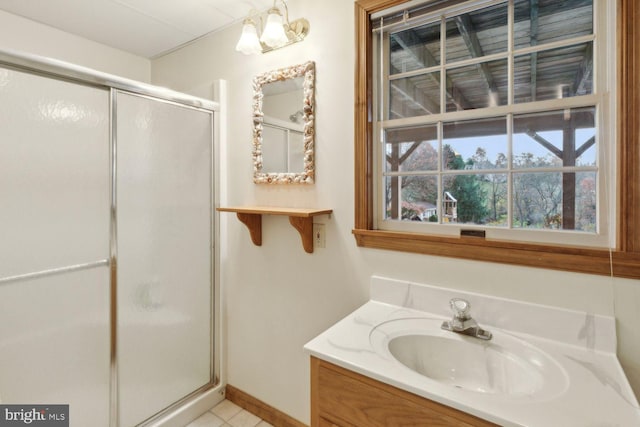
(282,133)
(283,125)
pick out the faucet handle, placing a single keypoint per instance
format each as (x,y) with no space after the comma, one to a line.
(460,308)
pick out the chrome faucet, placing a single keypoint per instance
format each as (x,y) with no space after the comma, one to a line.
(462,322)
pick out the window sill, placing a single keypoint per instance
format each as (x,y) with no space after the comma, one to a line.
(573,259)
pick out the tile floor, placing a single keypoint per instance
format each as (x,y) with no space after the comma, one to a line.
(228,414)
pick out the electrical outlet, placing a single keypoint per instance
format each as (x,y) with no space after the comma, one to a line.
(318,236)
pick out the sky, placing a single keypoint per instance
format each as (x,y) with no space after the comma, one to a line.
(493,145)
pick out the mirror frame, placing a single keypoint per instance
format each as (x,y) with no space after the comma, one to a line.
(307,71)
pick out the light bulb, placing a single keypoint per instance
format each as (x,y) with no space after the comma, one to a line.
(273,34)
(249,43)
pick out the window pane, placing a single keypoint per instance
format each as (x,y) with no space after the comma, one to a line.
(477,86)
(555,201)
(475,199)
(585,141)
(411,149)
(553,74)
(412,198)
(554,139)
(544,21)
(475,34)
(537,200)
(586,197)
(475,144)
(414,96)
(414,48)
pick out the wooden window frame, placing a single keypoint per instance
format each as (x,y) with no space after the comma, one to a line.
(622,261)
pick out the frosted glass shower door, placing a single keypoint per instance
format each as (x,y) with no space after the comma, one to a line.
(164,252)
(54,245)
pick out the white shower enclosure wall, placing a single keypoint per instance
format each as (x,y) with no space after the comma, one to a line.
(108,296)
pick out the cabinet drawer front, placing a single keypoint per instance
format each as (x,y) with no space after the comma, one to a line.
(347,398)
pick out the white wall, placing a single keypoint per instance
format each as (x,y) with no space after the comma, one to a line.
(17,33)
(277,296)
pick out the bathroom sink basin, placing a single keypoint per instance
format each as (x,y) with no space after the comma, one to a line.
(505,365)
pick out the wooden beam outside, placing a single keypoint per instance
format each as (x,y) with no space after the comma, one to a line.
(424,59)
(584,72)
(409,92)
(468,33)
(546,144)
(404,157)
(411,149)
(584,147)
(411,44)
(569,178)
(395,181)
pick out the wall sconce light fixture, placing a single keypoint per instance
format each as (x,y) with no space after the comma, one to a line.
(278,31)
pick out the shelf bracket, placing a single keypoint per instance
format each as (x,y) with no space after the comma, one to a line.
(304,225)
(254,224)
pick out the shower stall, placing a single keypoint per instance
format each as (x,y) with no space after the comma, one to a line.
(108,294)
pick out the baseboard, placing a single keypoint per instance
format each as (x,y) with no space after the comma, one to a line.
(261,409)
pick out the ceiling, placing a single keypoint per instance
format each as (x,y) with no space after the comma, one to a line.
(147,28)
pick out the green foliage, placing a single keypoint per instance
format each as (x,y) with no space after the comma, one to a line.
(467,189)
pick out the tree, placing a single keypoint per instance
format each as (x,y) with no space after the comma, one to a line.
(537,195)
(420,188)
(586,202)
(467,189)
(411,156)
(495,184)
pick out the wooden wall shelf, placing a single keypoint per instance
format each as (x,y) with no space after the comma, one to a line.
(300,219)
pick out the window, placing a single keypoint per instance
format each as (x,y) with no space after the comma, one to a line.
(494,117)
(487,111)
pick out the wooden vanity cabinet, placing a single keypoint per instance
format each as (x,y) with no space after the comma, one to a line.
(342,398)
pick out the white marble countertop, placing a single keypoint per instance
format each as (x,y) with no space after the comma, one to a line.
(596,392)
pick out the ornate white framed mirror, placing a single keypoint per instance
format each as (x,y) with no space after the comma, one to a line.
(283,125)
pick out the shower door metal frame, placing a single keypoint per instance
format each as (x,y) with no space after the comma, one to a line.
(52,68)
